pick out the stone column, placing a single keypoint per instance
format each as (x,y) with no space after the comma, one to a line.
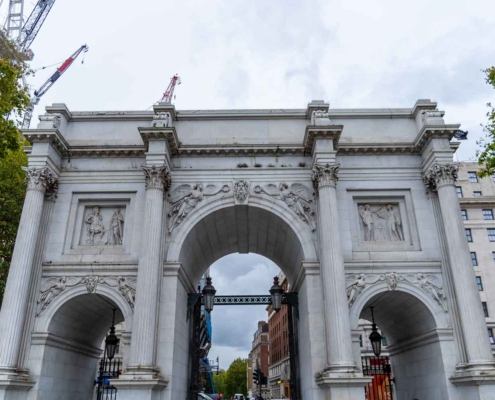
(479,354)
(142,357)
(338,331)
(16,295)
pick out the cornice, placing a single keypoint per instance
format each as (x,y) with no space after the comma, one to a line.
(52,136)
(157,133)
(428,132)
(376,148)
(107,151)
(241,150)
(326,132)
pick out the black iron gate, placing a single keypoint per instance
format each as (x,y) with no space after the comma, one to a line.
(109,369)
(195,300)
(380,388)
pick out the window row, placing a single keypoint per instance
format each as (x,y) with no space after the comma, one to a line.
(487,215)
(490,232)
(476,193)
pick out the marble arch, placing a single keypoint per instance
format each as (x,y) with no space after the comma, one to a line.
(135,199)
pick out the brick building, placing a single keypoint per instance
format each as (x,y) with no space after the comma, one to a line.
(259,356)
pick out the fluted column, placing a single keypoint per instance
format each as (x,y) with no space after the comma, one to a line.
(479,354)
(142,356)
(338,330)
(17,290)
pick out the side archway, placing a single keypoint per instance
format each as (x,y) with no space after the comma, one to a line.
(67,343)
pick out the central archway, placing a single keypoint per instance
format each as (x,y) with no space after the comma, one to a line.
(264,227)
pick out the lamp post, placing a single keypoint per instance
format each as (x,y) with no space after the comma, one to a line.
(375,337)
(209,295)
(106,372)
(276,292)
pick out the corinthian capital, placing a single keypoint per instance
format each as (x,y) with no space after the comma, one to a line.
(42,179)
(325,175)
(157,177)
(439,175)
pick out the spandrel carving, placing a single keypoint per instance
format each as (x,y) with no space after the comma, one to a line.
(380,223)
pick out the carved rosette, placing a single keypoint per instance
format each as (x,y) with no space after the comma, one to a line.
(157,177)
(325,175)
(42,179)
(440,175)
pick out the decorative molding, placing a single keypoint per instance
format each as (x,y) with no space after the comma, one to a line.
(52,287)
(161,133)
(356,284)
(51,136)
(162,119)
(424,339)
(241,191)
(107,151)
(54,119)
(428,132)
(242,150)
(439,175)
(296,197)
(185,198)
(433,114)
(320,118)
(157,177)
(325,132)
(325,175)
(52,340)
(42,179)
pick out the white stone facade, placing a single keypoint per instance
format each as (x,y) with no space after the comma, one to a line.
(129,209)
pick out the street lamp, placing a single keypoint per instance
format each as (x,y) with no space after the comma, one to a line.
(209,295)
(276,292)
(112,340)
(375,337)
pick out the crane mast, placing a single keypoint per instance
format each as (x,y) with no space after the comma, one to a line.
(15,19)
(169,93)
(34,22)
(48,84)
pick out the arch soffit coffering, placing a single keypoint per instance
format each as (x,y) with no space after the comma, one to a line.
(306,238)
(43,321)
(439,315)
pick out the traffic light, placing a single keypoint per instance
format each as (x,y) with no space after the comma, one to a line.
(256,375)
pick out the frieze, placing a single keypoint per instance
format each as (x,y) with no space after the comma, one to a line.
(296,197)
(357,283)
(52,287)
(185,198)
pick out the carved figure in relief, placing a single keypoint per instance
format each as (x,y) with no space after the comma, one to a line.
(91,282)
(52,288)
(161,120)
(392,280)
(355,284)
(433,290)
(185,198)
(241,190)
(368,222)
(116,231)
(127,288)
(296,197)
(394,228)
(95,229)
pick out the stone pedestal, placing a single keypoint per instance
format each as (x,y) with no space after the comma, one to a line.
(134,389)
(17,291)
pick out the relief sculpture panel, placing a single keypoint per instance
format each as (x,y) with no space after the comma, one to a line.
(380,222)
(104,226)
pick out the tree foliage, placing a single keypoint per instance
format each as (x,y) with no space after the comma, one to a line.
(14,97)
(12,192)
(235,378)
(219,382)
(486,152)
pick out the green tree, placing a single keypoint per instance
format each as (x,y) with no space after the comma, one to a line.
(219,382)
(486,152)
(12,192)
(14,97)
(235,378)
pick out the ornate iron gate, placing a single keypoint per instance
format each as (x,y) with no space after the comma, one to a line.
(194,302)
(380,387)
(108,370)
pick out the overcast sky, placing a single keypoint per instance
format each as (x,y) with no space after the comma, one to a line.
(270,54)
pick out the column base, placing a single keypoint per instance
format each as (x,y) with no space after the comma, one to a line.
(474,375)
(343,384)
(14,386)
(140,383)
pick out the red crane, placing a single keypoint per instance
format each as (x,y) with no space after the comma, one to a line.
(167,96)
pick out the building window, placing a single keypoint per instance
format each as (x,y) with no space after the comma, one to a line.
(491,235)
(485,309)
(473,178)
(360,340)
(479,282)
(459,192)
(474,259)
(490,335)
(464,215)
(470,238)
(477,194)
(384,341)
(487,214)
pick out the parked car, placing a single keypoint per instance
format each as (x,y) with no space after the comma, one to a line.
(202,396)
(214,396)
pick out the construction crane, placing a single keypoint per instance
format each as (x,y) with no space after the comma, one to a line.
(167,96)
(48,84)
(34,23)
(15,19)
